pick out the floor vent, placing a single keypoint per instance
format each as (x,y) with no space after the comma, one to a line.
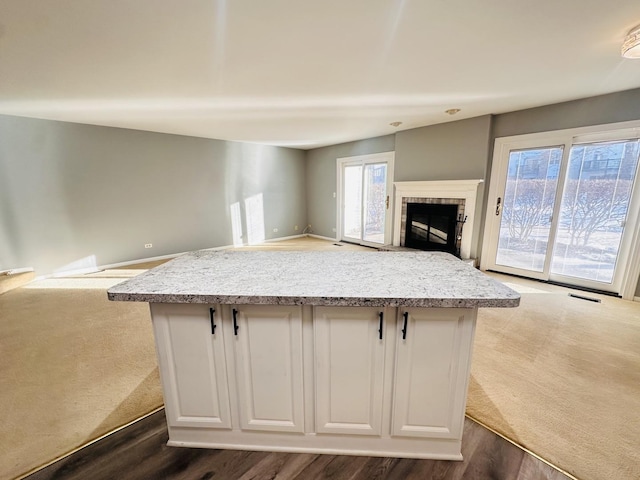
(581,297)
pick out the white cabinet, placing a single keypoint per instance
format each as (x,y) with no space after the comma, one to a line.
(349,361)
(431,371)
(191,355)
(268,365)
(355,380)
(259,347)
(430,357)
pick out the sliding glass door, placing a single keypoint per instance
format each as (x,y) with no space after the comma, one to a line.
(526,208)
(364,184)
(593,212)
(561,212)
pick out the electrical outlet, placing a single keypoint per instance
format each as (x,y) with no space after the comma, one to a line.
(148,245)
(334,230)
(275,230)
(296,227)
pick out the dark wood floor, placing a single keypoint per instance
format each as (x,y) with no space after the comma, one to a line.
(140,452)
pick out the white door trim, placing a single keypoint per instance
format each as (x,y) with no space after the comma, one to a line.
(567,137)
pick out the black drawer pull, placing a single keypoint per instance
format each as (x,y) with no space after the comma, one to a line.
(212,313)
(235,322)
(381,321)
(404,328)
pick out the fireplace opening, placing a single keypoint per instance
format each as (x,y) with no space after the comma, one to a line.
(431,227)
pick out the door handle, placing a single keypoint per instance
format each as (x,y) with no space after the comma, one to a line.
(380,329)
(498,206)
(404,327)
(212,312)
(235,322)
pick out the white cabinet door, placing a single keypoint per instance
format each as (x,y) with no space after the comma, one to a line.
(431,374)
(349,356)
(268,363)
(192,365)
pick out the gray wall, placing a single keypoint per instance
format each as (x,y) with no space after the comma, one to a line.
(447,151)
(322,180)
(70,191)
(611,108)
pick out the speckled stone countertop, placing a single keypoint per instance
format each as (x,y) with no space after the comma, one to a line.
(350,278)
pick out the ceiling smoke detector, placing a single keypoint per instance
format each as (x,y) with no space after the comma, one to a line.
(452,111)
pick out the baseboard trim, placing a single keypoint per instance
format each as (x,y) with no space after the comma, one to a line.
(636,299)
(16,271)
(280,239)
(321,237)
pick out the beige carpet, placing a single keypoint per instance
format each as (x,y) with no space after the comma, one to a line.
(561,376)
(74,367)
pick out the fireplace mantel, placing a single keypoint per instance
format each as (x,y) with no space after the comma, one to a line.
(465,189)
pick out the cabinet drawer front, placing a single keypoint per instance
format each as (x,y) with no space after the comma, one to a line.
(268,362)
(432,365)
(193,367)
(349,370)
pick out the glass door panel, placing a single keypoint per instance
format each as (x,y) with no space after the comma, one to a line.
(593,212)
(352,202)
(375,194)
(527,208)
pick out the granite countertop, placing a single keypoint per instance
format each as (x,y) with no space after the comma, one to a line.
(349,278)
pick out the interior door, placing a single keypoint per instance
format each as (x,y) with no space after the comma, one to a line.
(561,212)
(365,185)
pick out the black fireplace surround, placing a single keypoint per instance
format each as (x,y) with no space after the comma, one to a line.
(431,227)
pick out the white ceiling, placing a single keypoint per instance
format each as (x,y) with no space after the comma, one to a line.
(304,73)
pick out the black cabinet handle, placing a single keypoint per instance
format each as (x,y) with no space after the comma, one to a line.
(212,313)
(380,329)
(235,322)
(404,328)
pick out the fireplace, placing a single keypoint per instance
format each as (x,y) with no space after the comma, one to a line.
(463,193)
(431,227)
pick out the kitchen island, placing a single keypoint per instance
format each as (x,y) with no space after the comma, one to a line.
(355,352)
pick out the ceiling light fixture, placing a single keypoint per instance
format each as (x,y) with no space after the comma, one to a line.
(395,124)
(631,44)
(452,111)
